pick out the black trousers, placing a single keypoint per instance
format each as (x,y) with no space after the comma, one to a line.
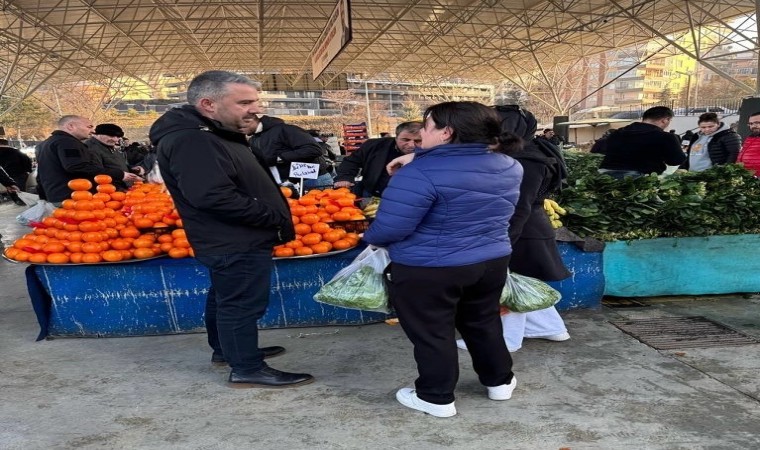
(431,302)
(237,299)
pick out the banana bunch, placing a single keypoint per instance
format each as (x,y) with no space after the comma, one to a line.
(554,211)
(370,211)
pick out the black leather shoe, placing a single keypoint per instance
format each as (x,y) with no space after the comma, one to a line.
(270,378)
(218,360)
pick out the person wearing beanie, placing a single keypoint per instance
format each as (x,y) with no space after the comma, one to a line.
(103,146)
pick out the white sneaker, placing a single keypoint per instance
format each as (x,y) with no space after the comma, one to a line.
(555,337)
(461,344)
(408,397)
(503,392)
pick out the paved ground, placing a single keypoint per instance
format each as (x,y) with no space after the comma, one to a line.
(601,390)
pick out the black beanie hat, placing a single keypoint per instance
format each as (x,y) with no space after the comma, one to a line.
(109,129)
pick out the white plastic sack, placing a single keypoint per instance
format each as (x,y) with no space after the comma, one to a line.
(29,199)
(36,213)
(360,285)
(154,176)
(525,294)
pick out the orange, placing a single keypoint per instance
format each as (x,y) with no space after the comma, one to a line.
(179,233)
(298,210)
(304,251)
(320,228)
(83,205)
(37,258)
(92,236)
(296,220)
(181,243)
(143,223)
(142,243)
(80,184)
(142,253)
(341,216)
(68,204)
(302,228)
(357,217)
(344,201)
(113,204)
(91,247)
(284,252)
(118,196)
(24,256)
(53,247)
(165,238)
(311,209)
(103,179)
(120,244)
(322,247)
(57,258)
(309,219)
(81,195)
(89,258)
(307,200)
(178,253)
(76,258)
(312,238)
(11,252)
(165,246)
(331,236)
(112,255)
(342,244)
(102,196)
(286,191)
(130,232)
(294,244)
(107,188)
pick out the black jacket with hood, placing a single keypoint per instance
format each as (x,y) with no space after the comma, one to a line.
(723,147)
(371,159)
(642,147)
(228,200)
(289,143)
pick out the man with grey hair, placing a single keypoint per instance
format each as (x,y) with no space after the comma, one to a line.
(233,213)
(63,157)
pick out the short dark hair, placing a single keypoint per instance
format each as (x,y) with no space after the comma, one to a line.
(657,113)
(411,127)
(755,114)
(213,84)
(708,117)
(546,130)
(473,122)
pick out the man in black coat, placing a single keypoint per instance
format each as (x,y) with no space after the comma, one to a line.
(643,147)
(283,144)
(15,163)
(233,214)
(63,157)
(372,157)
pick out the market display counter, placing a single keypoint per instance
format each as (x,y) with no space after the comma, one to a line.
(167,296)
(683,266)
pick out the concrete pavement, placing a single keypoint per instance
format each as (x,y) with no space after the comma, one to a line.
(601,390)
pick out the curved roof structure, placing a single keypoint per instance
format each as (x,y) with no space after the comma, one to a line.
(45,41)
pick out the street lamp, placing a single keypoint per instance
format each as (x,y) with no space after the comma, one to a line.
(688,89)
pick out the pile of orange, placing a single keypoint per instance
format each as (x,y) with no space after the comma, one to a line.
(108,226)
(312,215)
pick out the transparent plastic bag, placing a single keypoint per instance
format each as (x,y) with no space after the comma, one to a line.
(36,213)
(360,285)
(154,176)
(526,294)
(29,199)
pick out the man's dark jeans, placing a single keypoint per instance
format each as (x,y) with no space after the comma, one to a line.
(237,299)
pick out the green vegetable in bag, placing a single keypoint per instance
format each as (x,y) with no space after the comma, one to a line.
(526,294)
(362,289)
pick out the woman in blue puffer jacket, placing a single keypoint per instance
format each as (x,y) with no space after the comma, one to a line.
(444,218)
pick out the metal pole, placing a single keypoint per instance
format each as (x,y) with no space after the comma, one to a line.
(757,36)
(369,116)
(688,93)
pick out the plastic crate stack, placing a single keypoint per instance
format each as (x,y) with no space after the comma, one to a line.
(354,135)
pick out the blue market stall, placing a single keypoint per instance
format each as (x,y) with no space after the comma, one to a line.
(167,296)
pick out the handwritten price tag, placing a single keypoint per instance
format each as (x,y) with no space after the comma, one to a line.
(304,170)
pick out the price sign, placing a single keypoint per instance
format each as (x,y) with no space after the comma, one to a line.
(304,170)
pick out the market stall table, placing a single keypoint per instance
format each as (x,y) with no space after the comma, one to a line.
(167,296)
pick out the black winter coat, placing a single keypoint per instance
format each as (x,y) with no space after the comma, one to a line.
(723,148)
(642,147)
(371,159)
(224,192)
(15,163)
(289,143)
(60,159)
(534,247)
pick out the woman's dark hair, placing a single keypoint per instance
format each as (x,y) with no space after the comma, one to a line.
(473,122)
(708,117)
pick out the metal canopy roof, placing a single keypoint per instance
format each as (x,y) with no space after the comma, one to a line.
(44,41)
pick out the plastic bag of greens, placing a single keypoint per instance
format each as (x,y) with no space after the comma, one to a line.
(525,294)
(359,285)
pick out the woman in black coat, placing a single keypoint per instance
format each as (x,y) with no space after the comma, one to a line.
(534,247)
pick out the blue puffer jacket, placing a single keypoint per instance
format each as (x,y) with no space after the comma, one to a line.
(449,207)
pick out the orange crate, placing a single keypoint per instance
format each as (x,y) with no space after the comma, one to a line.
(352,226)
